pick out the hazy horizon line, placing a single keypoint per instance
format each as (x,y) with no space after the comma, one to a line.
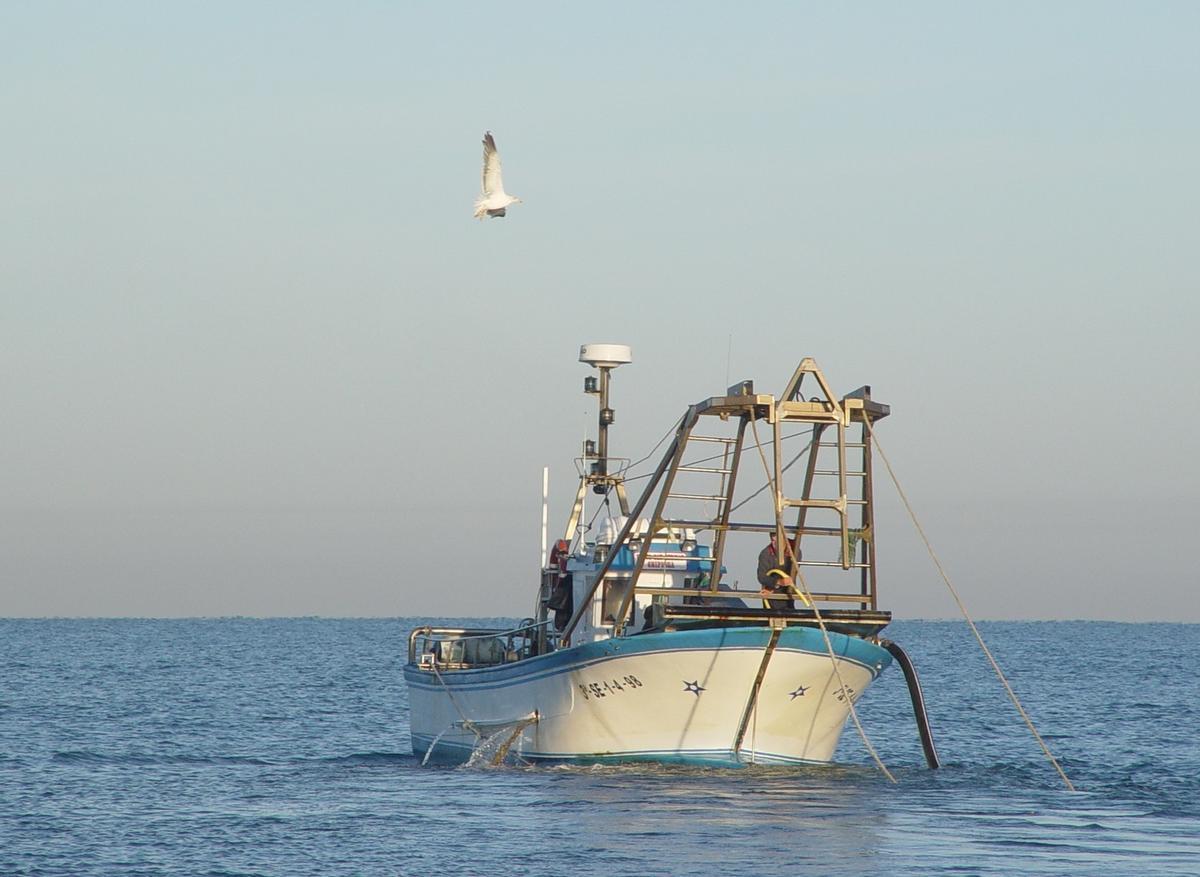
(243,617)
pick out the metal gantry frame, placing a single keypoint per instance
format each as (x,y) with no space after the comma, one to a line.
(826,413)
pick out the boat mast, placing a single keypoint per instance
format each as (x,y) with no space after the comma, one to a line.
(595,472)
(545,508)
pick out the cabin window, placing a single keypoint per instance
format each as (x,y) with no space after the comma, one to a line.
(696,582)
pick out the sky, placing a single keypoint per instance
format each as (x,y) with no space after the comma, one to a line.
(256,357)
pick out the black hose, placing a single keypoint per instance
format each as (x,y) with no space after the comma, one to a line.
(918,702)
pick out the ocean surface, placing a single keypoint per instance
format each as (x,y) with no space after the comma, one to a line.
(280,747)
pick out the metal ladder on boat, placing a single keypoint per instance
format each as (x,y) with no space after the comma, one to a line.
(726,475)
(671,465)
(741,402)
(856,543)
(823,414)
(822,411)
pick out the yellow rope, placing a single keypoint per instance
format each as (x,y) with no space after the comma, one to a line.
(945,578)
(806,596)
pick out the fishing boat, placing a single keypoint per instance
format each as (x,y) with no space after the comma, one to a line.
(642,645)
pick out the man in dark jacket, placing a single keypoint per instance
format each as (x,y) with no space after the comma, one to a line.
(773,575)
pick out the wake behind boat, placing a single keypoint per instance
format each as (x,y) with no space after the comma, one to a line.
(641,647)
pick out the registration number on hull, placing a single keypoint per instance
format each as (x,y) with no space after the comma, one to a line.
(605,687)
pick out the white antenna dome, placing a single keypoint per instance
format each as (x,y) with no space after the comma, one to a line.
(605,355)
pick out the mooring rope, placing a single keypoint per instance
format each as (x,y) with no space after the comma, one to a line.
(501,753)
(806,595)
(962,608)
(466,723)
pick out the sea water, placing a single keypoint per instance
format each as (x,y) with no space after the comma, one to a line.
(280,747)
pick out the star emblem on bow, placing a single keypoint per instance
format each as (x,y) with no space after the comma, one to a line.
(694,687)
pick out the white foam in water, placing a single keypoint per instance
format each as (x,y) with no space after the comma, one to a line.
(433,745)
(492,750)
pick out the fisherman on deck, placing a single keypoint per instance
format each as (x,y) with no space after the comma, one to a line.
(773,576)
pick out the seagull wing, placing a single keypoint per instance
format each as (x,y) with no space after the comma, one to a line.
(492,184)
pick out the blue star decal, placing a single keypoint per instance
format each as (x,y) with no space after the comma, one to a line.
(799,692)
(694,687)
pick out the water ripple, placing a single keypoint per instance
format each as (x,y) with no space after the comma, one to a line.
(266,747)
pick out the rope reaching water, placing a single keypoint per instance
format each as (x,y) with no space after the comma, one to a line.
(807,597)
(962,608)
(518,726)
(466,723)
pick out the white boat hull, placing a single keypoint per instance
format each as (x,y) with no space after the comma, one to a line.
(679,696)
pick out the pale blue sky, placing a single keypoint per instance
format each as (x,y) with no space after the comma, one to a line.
(256,357)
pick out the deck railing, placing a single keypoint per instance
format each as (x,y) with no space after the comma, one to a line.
(462,648)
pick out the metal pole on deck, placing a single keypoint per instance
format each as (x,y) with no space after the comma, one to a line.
(545,504)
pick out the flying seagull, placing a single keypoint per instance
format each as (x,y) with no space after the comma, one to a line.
(493,200)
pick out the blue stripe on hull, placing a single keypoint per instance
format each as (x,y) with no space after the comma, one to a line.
(794,639)
(800,639)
